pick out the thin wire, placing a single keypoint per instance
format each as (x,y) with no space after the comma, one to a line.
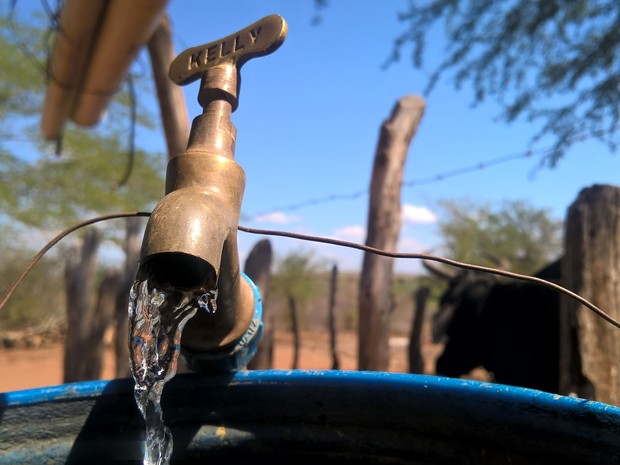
(415,182)
(437,177)
(55,241)
(436,258)
(325,240)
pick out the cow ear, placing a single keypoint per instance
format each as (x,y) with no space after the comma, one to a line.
(498,262)
(441,273)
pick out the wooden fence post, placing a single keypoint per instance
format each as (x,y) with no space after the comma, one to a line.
(79,279)
(103,316)
(416,361)
(590,347)
(331,317)
(133,241)
(170,96)
(258,268)
(382,232)
(292,306)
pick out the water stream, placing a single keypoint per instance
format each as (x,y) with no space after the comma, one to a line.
(156,321)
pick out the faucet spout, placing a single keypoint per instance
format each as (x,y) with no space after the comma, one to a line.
(190,242)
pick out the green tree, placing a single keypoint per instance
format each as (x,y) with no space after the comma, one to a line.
(39,301)
(295,275)
(551,61)
(295,279)
(41,189)
(556,62)
(515,235)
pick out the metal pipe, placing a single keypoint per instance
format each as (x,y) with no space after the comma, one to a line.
(126,28)
(78,27)
(190,241)
(191,238)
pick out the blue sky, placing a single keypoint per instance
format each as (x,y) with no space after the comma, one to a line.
(309,118)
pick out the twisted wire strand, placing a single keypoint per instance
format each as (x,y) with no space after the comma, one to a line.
(437,258)
(33,261)
(324,240)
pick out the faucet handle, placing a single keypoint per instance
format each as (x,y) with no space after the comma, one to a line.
(258,39)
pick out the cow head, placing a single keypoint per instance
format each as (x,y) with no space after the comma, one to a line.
(456,322)
(464,288)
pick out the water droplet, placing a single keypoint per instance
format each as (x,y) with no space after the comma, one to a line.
(208,301)
(158,298)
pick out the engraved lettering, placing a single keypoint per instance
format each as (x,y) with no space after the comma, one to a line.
(212,54)
(223,51)
(194,60)
(234,49)
(254,33)
(238,46)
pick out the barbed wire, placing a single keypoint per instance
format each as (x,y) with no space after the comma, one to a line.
(478,166)
(54,25)
(411,183)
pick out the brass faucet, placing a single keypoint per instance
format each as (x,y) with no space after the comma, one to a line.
(190,242)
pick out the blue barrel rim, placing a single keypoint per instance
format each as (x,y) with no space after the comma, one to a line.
(480,390)
(302,413)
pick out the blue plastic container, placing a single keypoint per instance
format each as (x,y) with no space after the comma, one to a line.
(310,417)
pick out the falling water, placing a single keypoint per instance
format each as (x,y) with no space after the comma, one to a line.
(156,320)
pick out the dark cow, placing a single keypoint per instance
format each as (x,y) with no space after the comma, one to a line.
(509,328)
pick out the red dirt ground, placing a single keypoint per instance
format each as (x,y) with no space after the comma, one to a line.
(33,368)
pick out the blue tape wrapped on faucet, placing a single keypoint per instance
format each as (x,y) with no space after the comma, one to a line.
(240,354)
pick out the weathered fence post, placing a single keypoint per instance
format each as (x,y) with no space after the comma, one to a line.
(131,248)
(331,317)
(383,230)
(292,305)
(590,347)
(258,268)
(103,316)
(171,99)
(79,280)
(416,361)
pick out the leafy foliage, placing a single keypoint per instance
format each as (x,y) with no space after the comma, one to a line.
(299,278)
(40,296)
(553,61)
(83,182)
(23,74)
(41,189)
(295,276)
(515,235)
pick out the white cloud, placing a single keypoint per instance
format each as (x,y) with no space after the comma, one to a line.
(275,218)
(409,245)
(351,233)
(412,214)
